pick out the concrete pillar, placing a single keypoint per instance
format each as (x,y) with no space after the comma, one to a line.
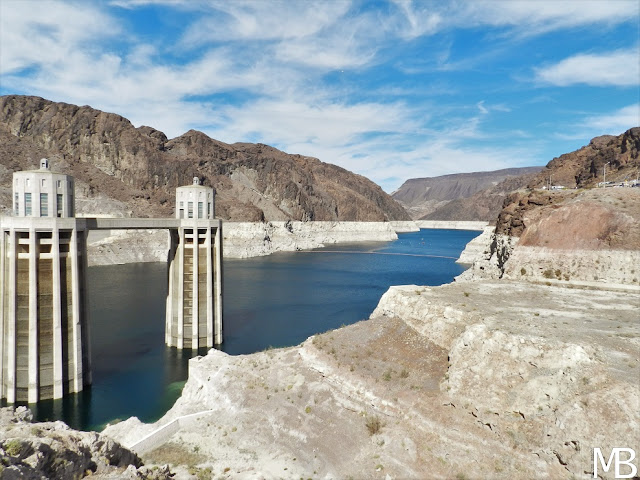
(58,388)
(33,362)
(85,347)
(3,250)
(180,289)
(206,305)
(11,321)
(218,302)
(76,345)
(195,310)
(169,313)
(210,306)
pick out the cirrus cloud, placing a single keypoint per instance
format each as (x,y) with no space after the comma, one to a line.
(620,68)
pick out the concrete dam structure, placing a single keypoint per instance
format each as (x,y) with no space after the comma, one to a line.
(44,324)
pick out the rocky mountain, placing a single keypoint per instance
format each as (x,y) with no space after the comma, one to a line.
(443,198)
(607,210)
(133,171)
(483,205)
(585,167)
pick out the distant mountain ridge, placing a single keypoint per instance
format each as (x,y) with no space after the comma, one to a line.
(126,170)
(442,198)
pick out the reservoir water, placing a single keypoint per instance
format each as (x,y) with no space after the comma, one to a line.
(274,301)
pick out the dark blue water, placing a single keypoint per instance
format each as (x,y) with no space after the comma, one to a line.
(277,301)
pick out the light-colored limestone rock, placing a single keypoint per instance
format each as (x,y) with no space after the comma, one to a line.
(497,375)
(477,248)
(244,239)
(494,256)
(602,266)
(405,226)
(48,450)
(451,224)
(128,246)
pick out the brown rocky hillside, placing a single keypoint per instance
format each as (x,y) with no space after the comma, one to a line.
(589,216)
(484,205)
(585,167)
(133,171)
(460,196)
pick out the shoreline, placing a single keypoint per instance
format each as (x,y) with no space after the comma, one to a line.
(252,239)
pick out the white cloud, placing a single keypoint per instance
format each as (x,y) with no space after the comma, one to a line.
(297,121)
(620,68)
(611,123)
(263,20)
(616,122)
(37,33)
(536,17)
(421,19)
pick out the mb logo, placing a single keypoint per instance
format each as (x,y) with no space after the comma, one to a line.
(628,454)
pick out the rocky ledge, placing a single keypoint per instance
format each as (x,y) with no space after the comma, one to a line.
(458,380)
(52,450)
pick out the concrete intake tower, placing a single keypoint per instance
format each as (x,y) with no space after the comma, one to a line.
(194,301)
(44,325)
(44,352)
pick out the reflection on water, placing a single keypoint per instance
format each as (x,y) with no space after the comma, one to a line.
(279,300)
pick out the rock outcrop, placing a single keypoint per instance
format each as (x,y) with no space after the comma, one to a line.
(585,167)
(50,450)
(137,169)
(589,236)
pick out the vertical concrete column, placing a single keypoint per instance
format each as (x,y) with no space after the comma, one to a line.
(180,290)
(57,315)
(3,285)
(169,313)
(76,346)
(85,342)
(218,261)
(208,245)
(196,304)
(32,395)
(11,321)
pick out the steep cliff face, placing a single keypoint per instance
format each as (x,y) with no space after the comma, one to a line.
(141,167)
(462,196)
(560,236)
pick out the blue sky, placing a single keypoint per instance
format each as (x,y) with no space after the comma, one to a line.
(390,90)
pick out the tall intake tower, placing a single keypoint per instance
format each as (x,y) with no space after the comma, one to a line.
(194,300)
(44,347)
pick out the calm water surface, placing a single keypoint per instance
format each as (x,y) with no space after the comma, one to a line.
(278,301)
